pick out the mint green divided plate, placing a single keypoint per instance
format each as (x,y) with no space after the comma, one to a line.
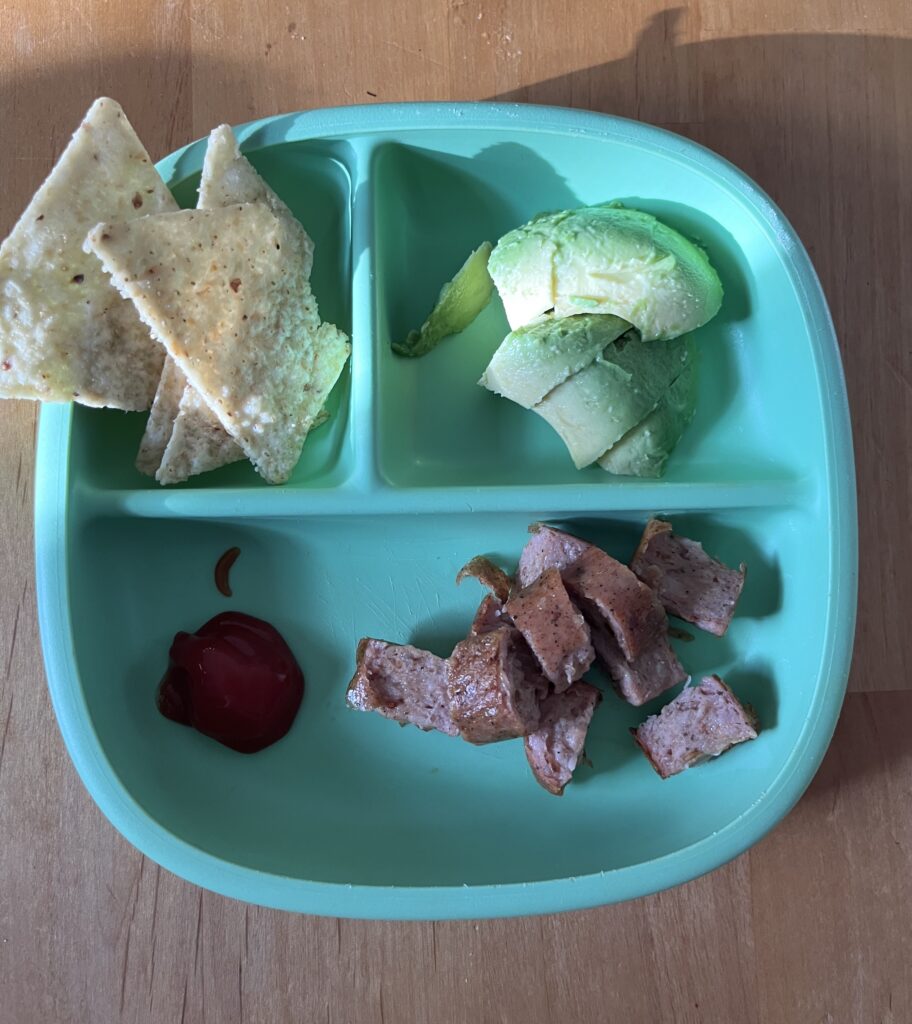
(418,470)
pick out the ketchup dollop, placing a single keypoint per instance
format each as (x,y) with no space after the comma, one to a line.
(234,679)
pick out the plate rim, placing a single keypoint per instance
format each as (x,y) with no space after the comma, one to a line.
(390,902)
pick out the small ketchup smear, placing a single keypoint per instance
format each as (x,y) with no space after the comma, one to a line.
(235,680)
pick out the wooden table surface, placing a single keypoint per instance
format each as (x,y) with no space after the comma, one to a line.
(813,925)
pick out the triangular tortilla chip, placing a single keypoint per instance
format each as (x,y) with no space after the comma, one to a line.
(199,442)
(65,333)
(183,436)
(230,178)
(226,292)
(160,424)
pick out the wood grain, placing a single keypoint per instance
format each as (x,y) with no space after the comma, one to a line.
(815,102)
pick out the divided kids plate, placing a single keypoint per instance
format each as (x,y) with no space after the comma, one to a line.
(419,469)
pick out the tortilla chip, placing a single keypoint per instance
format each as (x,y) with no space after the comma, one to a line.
(198,442)
(65,333)
(229,178)
(332,352)
(160,424)
(226,292)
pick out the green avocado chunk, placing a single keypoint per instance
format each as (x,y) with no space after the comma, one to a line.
(644,450)
(533,360)
(606,259)
(595,407)
(458,303)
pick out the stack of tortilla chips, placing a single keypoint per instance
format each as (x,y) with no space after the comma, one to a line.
(207,315)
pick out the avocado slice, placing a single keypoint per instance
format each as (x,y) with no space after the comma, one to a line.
(533,360)
(593,409)
(458,303)
(644,450)
(606,259)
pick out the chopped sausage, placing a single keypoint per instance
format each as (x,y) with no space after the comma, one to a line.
(554,629)
(494,686)
(488,574)
(554,749)
(656,670)
(489,616)
(604,588)
(703,721)
(601,587)
(547,549)
(403,683)
(690,583)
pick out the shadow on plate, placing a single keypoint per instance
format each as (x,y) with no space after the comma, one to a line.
(440,634)
(753,684)
(433,209)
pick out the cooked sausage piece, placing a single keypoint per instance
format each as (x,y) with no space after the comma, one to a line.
(403,683)
(489,616)
(554,749)
(690,583)
(604,588)
(554,629)
(656,670)
(488,574)
(494,686)
(547,549)
(703,721)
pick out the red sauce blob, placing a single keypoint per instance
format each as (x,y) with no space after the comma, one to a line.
(235,680)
